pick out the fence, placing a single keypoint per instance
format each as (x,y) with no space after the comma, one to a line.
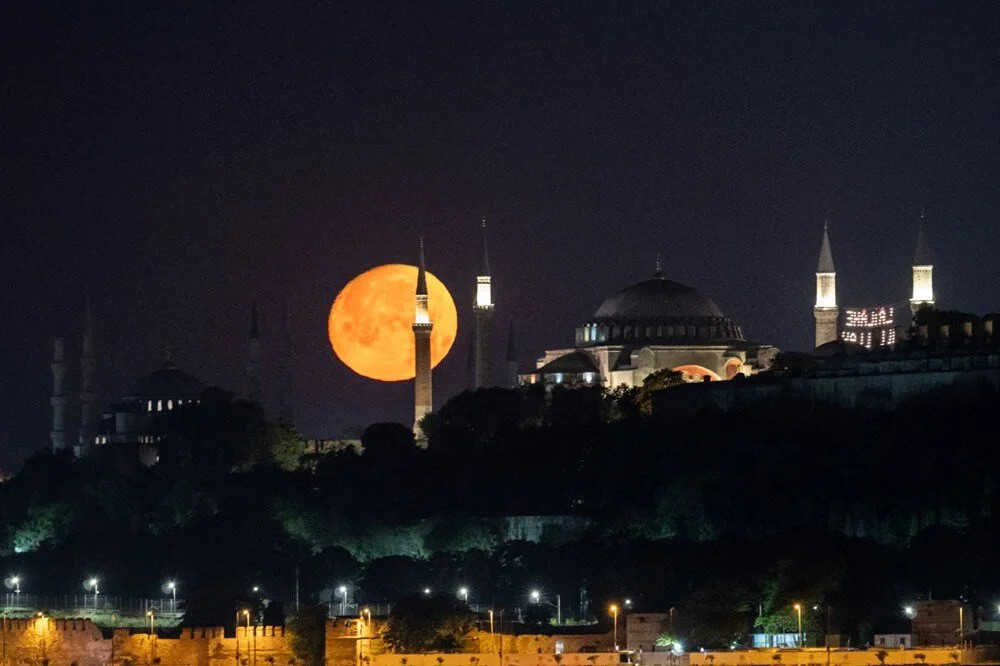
(20,603)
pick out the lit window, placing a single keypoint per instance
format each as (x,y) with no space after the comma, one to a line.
(159,405)
(170,404)
(149,405)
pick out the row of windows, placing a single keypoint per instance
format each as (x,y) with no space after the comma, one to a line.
(160,405)
(593,333)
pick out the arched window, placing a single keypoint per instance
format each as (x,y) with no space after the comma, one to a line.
(170,404)
(159,405)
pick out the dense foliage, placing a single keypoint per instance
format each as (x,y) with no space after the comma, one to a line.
(728,518)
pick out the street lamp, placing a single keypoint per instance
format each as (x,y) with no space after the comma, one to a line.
(614,614)
(535,596)
(343,599)
(798,611)
(16,580)
(463,594)
(172,586)
(491,621)
(628,603)
(910,612)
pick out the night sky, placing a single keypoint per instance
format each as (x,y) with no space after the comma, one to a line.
(179,165)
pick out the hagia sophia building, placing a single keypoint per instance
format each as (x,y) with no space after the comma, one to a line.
(649,326)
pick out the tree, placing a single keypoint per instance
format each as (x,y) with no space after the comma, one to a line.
(654,382)
(418,624)
(309,635)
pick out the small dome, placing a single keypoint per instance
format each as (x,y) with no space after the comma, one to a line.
(167,382)
(658,298)
(838,347)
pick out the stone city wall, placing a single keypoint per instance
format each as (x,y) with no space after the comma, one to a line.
(55,642)
(819,657)
(493,659)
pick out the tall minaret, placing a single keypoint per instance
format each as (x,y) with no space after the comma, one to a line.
(422,325)
(88,387)
(512,378)
(253,357)
(923,287)
(826,311)
(483,311)
(286,411)
(59,400)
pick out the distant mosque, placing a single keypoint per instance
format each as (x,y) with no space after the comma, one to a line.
(870,326)
(131,425)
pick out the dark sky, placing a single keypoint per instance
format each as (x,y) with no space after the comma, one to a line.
(180,164)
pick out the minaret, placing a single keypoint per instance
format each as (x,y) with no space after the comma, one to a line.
(59,400)
(422,326)
(826,311)
(253,357)
(483,311)
(512,379)
(88,387)
(286,412)
(923,287)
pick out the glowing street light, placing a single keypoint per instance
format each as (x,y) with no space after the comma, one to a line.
(343,599)
(614,614)
(798,611)
(463,594)
(427,591)
(910,612)
(535,596)
(491,621)
(172,586)
(16,580)
(628,603)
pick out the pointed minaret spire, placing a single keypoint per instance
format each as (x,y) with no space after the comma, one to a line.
(485,267)
(658,273)
(88,385)
(253,357)
(59,401)
(422,327)
(422,272)
(923,268)
(512,379)
(825,263)
(826,311)
(482,309)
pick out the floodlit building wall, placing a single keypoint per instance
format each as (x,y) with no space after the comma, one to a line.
(820,657)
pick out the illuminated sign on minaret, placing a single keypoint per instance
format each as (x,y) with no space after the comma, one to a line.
(483,310)
(826,311)
(923,286)
(422,326)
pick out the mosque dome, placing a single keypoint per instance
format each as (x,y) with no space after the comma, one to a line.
(167,382)
(656,299)
(658,311)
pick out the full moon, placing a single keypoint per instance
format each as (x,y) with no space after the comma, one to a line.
(371,318)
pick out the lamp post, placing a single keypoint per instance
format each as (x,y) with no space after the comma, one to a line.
(17,584)
(491,621)
(536,597)
(463,594)
(343,599)
(798,611)
(614,614)
(152,635)
(172,586)
(961,622)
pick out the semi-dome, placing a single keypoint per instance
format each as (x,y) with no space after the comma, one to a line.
(167,382)
(658,312)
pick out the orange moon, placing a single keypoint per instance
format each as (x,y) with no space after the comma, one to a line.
(371,318)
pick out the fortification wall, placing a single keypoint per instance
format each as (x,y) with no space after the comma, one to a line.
(50,642)
(819,657)
(493,659)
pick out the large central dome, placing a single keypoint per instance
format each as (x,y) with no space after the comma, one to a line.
(658,312)
(656,299)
